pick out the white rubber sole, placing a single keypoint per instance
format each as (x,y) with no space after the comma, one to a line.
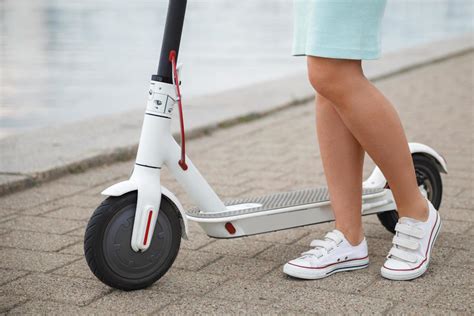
(319,273)
(412,274)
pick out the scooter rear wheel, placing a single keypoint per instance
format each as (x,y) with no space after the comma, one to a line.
(107,244)
(427,176)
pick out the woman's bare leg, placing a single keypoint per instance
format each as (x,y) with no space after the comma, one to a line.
(375,124)
(343,160)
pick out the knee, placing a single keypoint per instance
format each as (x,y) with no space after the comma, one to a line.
(331,78)
(323,81)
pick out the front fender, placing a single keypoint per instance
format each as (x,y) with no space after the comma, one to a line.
(120,188)
(124,187)
(377,179)
(184,221)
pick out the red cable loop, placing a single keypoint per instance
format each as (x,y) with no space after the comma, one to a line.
(182,161)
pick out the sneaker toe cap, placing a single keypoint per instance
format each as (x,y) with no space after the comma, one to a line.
(392,264)
(300,263)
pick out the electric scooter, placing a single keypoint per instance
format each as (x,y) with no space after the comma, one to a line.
(133,237)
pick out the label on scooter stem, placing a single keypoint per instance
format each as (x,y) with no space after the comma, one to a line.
(160,101)
(157,103)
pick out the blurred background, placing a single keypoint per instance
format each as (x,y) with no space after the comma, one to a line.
(69,60)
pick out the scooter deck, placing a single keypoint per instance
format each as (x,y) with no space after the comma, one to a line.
(276,201)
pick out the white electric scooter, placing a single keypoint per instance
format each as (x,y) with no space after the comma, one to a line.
(133,237)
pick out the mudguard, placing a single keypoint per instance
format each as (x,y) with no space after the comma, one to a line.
(377,179)
(124,187)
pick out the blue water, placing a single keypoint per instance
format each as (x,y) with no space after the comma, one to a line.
(67,60)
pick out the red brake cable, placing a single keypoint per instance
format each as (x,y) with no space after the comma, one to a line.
(182,161)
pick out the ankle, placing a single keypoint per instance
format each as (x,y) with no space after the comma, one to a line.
(418,210)
(353,235)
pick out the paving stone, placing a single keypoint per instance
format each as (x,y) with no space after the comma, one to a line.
(415,293)
(376,262)
(377,231)
(98,176)
(39,195)
(78,232)
(7,275)
(8,218)
(10,301)
(194,305)
(378,247)
(287,236)
(464,184)
(239,247)
(48,307)
(410,309)
(194,260)
(455,298)
(238,267)
(57,288)
(441,255)
(76,249)
(350,282)
(371,219)
(457,215)
(196,241)
(187,283)
(447,276)
(194,228)
(36,241)
(6,211)
(95,191)
(3,231)
(282,253)
(76,269)
(71,212)
(462,258)
(41,208)
(310,299)
(460,202)
(470,231)
(455,227)
(42,224)
(456,241)
(29,260)
(452,191)
(142,302)
(82,200)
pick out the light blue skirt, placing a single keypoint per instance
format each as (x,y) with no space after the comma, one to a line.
(345,29)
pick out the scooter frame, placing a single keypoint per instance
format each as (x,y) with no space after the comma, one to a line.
(158,148)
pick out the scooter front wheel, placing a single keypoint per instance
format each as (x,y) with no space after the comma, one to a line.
(428,179)
(107,244)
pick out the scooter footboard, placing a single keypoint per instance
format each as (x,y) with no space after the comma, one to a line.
(281,211)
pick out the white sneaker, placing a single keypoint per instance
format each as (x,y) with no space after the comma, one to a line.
(412,245)
(331,255)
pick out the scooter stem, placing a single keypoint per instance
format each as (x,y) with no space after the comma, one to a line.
(157,147)
(171,39)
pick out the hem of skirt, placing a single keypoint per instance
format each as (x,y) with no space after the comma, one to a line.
(338,53)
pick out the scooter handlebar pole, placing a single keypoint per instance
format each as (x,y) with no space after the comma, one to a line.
(171,39)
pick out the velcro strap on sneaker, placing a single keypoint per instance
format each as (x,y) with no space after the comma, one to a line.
(399,253)
(409,230)
(406,243)
(318,243)
(333,236)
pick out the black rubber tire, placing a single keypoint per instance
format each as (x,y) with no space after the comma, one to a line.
(426,170)
(107,244)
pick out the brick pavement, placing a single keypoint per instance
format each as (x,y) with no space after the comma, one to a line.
(42,268)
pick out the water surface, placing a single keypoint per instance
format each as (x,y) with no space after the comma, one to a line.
(67,60)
